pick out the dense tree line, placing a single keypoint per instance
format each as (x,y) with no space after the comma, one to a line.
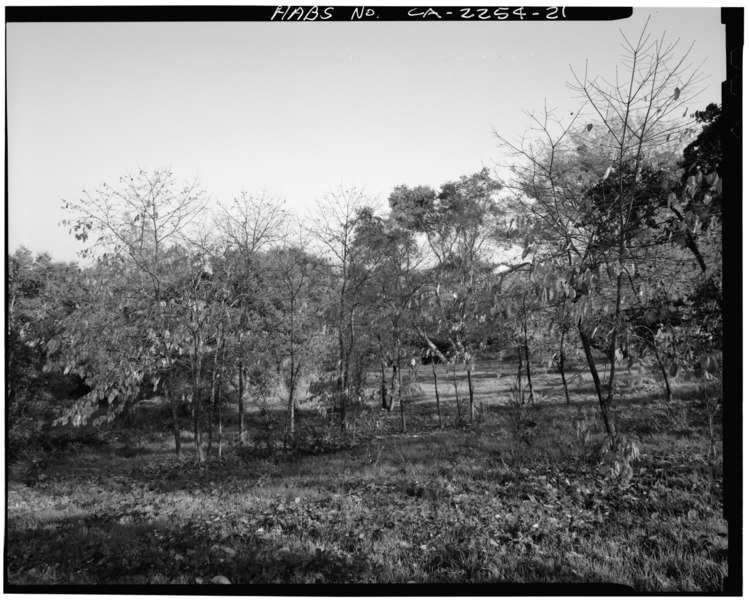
(603,234)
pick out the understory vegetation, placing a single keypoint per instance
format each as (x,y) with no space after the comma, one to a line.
(517,377)
(524,495)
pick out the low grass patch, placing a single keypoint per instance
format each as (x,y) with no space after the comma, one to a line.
(461,505)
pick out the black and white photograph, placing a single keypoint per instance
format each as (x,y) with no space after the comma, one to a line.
(308,295)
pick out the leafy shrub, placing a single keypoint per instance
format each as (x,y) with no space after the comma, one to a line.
(618,454)
(522,427)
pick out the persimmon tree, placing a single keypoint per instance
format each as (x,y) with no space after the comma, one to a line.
(132,229)
(297,285)
(583,183)
(333,227)
(391,291)
(459,227)
(40,294)
(249,225)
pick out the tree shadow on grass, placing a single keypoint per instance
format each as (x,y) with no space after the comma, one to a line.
(111,550)
(92,554)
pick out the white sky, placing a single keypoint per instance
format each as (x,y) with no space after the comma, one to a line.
(297,109)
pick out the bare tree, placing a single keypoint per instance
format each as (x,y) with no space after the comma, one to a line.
(334,226)
(300,281)
(249,225)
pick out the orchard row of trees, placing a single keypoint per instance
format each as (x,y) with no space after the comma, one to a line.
(604,230)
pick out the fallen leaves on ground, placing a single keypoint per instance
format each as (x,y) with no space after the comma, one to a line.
(422,511)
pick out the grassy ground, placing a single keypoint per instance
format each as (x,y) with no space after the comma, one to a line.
(522,495)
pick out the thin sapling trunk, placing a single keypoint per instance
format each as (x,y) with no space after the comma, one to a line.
(457,397)
(470,389)
(527,354)
(220,397)
(220,427)
(400,395)
(520,373)
(175,417)
(437,395)
(383,387)
(393,382)
(196,429)
(211,417)
(197,404)
(240,403)
(664,373)
(602,402)
(291,415)
(562,367)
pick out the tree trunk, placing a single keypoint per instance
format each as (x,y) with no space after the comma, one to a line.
(220,430)
(347,370)
(690,242)
(602,402)
(712,453)
(175,418)
(520,373)
(527,354)
(196,431)
(437,394)
(393,381)
(197,406)
(614,340)
(344,393)
(663,372)
(289,433)
(220,394)
(342,359)
(211,415)
(561,366)
(470,391)
(212,407)
(457,397)
(220,425)
(400,394)
(290,426)
(430,343)
(383,387)
(240,403)
(528,375)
